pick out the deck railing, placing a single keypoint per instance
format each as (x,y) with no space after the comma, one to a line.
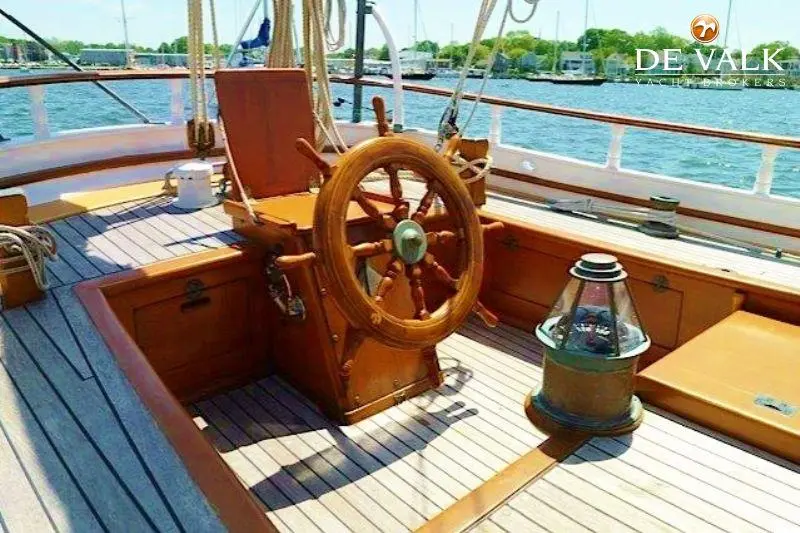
(771,144)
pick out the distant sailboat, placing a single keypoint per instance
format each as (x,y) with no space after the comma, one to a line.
(415,73)
(718,83)
(571,78)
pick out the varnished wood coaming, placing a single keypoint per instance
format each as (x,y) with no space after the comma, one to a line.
(527,267)
(234,505)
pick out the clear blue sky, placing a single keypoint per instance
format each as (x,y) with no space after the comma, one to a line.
(153,21)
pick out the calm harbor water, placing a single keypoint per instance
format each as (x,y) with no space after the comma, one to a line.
(722,162)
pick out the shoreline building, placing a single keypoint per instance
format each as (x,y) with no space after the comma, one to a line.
(117,57)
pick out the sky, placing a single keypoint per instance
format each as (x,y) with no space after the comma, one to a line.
(152,21)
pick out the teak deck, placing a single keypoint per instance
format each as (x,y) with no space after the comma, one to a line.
(79,451)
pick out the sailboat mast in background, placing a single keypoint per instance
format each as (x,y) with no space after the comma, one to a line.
(416,9)
(128,55)
(727,24)
(555,45)
(585,40)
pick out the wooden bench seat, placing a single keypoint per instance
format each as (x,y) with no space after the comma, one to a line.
(741,377)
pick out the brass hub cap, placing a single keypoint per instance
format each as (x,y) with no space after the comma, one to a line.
(410,242)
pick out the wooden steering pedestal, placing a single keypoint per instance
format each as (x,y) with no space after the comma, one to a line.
(385,299)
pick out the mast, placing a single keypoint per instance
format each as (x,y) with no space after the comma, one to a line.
(358,69)
(416,9)
(585,29)
(728,25)
(125,32)
(555,45)
(452,43)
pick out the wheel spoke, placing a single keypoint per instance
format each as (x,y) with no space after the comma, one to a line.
(414,273)
(400,212)
(444,277)
(394,183)
(424,205)
(439,272)
(492,227)
(371,249)
(489,318)
(441,237)
(367,205)
(392,271)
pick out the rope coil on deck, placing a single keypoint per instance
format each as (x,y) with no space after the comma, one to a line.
(480,167)
(34,243)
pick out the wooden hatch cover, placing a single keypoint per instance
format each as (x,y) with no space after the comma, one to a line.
(741,377)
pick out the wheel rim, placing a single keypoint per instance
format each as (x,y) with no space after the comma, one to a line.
(410,255)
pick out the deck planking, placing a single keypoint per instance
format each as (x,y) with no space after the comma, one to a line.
(639,483)
(85,455)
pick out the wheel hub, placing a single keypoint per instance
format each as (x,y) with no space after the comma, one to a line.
(410,242)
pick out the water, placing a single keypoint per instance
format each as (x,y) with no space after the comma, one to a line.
(731,163)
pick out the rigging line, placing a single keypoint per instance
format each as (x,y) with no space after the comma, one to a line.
(35,244)
(533,3)
(450,114)
(215,34)
(495,49)
(127,105)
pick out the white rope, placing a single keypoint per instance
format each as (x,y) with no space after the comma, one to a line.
(533,3)
(480,167)
(451,110)
(338,42)
(329,137)
(485,13)
(229,156)
(317,69)
(281,51)
(215,34)
(197,67)
(35,244)
(317,38)
(489,66)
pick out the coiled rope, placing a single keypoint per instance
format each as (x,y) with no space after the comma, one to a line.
(338,42)
(34,243)
(197,66)
(480,167)
(314,48)
(281,51)
(317,39)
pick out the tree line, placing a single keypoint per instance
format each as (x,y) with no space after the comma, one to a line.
(73,47)
(600,42)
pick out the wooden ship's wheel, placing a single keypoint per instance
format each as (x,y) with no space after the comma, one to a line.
(404,237)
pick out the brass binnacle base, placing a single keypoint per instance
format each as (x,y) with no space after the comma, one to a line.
(552,421)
